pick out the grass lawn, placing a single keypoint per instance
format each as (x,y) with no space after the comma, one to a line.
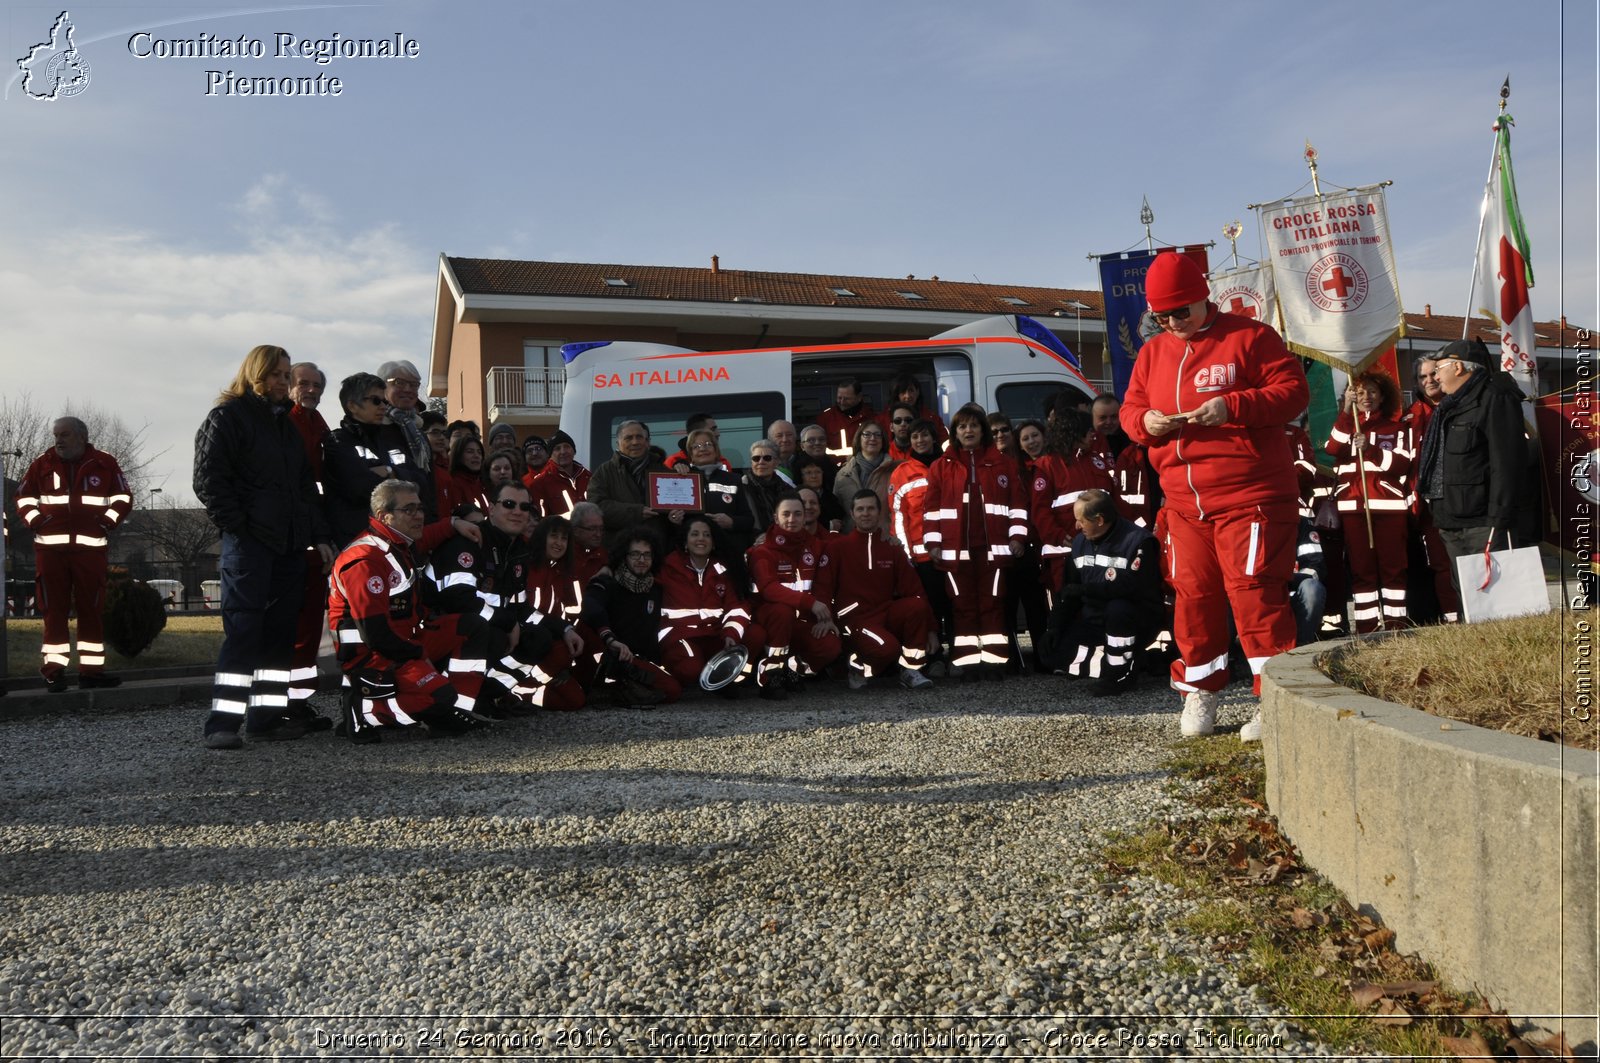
(185,640)
(1532,676)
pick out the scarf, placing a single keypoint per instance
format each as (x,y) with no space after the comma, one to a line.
(1430,470)
(871,464)
(635,467)
(633,583)
(416,442)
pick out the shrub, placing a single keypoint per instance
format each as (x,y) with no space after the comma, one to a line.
(134,615)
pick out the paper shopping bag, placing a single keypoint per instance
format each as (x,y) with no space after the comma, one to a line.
(1502,584)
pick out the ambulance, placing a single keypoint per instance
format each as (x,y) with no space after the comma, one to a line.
(1009,363)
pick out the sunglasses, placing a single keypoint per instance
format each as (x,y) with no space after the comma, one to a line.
(902,420)
(376,400)
(761,458)
(506,503)
(1180,314)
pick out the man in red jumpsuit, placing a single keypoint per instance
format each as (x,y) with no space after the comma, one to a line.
(877,598)
(841,420)
(1210,396)
(384,651)
(71,497)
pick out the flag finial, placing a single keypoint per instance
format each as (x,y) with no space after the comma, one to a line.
(1311,161)
(1147,218)
(1505,93)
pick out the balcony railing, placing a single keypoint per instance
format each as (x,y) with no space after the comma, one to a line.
(534,389)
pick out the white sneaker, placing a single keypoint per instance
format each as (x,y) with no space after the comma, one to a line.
(1251,732)
(1199,713)
(912,679)
(857,681)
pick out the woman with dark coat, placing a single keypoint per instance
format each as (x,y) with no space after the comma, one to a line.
(360,454)
(252,476)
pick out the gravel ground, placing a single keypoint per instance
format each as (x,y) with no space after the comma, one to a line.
(841,875)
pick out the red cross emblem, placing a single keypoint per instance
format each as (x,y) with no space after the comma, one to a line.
(1339,282)
(1240,307)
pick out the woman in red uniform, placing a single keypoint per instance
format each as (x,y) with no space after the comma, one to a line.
(702,611)
(977,521)
(783,569)
(555,590)
(1372,451)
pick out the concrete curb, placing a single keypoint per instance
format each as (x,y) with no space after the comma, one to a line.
(1476,847)
(152,688)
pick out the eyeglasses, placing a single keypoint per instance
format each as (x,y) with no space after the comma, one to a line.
(1180,314)
(704,444)
(588,527)
(376,400)
(506,503)
(639,555)
(1000,430)
(412,510)
(902,420)
(403,385)
(436,431)
(761,458)
(871,435)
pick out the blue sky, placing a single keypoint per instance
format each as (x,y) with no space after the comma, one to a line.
(154,234)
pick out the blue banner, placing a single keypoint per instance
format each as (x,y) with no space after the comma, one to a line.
(1122,285)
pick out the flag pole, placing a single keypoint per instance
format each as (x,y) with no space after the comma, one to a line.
(1311,161)
(1148,218)
(1483,209)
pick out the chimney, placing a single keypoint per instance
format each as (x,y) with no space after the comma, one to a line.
(1564,325)
(715,265)
(935,276)
(911,276)
(1427,309)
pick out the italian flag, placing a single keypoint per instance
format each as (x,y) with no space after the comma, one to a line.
(1504,272)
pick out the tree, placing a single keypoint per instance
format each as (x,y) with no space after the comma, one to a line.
(25,434)
(184,536)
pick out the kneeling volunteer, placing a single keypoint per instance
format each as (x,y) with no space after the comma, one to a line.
(383,649)
(878,600)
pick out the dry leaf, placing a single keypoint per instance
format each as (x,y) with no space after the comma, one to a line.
(1344,714)
(1391,1013)
(1412,989)
(1238,855)
(1523,1049)
(1379,938)
(1474,1047)
(1365,994)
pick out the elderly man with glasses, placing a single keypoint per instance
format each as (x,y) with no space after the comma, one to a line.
(1210,396)
(1473,486)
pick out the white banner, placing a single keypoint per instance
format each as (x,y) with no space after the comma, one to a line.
(1247,291)
(1338,299)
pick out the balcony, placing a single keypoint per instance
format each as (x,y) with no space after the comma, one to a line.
(514,392)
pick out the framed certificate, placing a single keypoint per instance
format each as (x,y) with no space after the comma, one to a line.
(672,491)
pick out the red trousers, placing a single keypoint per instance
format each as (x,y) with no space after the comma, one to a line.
(308,630)
(684,659)
(1377,569)
(395,697)
(1243,559)
(788,632)
(978,598)
(894,633)
(65,577)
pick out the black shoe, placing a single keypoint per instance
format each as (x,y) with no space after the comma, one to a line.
(772,690)
(56,685)
(995,673)
(283,731)
(1111,684)
(223,740)
(367,736)
(92,680)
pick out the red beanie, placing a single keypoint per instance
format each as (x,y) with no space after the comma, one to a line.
(1174,281)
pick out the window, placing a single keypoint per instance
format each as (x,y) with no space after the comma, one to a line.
(1013,300)
(910,295)
(542,354)
(1022,401)
(617,282)
(841,291)
(741,420)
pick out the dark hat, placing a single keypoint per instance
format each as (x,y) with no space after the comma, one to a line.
(526,443)
(558,436)
(1472,351)
(1174,281)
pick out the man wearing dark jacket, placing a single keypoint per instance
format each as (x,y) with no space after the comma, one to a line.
(1474,457)
(1111,594)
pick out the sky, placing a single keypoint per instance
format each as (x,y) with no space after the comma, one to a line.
(156,228)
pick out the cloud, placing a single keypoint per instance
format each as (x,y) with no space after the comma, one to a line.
(134,321)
